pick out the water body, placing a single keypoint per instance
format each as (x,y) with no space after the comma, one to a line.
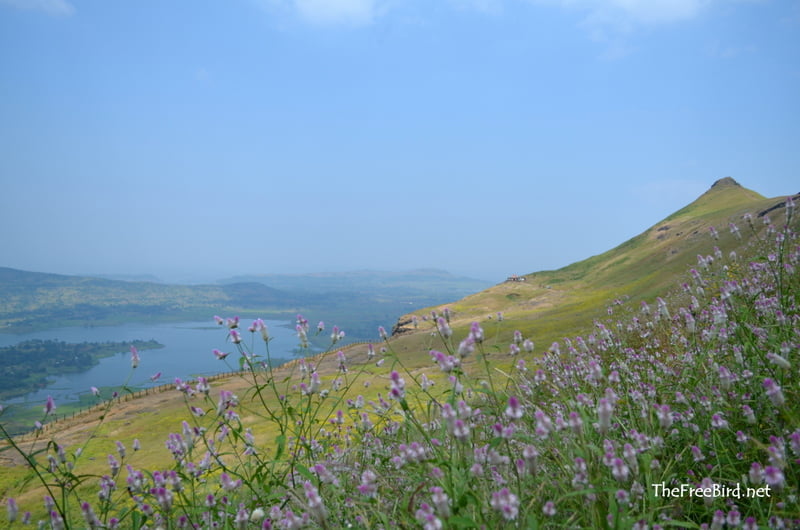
(187,353)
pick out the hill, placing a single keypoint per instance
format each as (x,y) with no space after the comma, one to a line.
(549,305)
(682,395)
(618,384)
(360,301)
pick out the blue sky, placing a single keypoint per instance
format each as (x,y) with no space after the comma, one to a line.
(198,139)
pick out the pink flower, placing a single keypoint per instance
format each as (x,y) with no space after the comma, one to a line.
(515,410)
(13,510)
(444,328)
(506,503)
(604,410)
(134,357)
(774,392)
(50,405)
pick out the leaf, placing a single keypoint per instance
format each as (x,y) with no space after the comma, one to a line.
(459,521)
(303,470)
(281,441)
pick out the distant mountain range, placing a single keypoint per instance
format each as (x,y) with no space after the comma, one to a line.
(357,301)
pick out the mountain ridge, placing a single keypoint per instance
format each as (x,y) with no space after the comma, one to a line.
(642,267)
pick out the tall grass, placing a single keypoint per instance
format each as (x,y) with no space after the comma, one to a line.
(682,412)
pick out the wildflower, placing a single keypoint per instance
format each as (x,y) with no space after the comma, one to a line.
(219,355)
(476,332)
(163,497)
(774,477)
(95,391)
(774,392)
(756,473)
(315,383)
(749,416)
(427,517)
(623,497)
(134,357)
(515,410)
(444,328)
(549,509)
(342,361)
(575,422)
(382,333)
(113,464)
(466,346)
(543,424)
(697,454)
(776,359)
(619,469)
(750,524)
(315,503)
(447,363)
(460,430)
(664,416)
(56,521)
(794,442)
(302,335)
(203,386)
(50,405)
(506,503)
(228,484)
(718,422)
(89,516)
(604,410)
(397,390)
(13,510)
(441,501)
(262,328)
(741,437)
(368,488)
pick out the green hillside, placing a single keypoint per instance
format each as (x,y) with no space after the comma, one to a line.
(549,305)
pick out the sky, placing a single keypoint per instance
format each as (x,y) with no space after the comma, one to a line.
(199,139)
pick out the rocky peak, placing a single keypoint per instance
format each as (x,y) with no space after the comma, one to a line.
(726,182)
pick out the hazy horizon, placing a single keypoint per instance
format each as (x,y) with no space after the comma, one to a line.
(481,137)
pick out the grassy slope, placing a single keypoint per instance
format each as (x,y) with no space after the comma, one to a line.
(550,305)
(641,268)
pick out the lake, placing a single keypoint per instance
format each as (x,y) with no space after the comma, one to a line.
(187,353)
